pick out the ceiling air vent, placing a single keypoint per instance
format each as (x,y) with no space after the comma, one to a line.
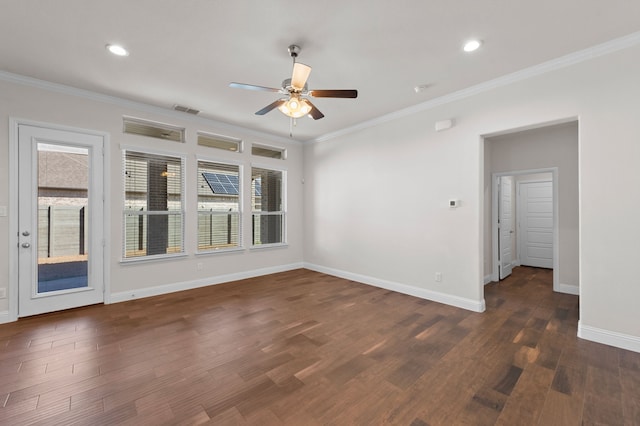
(186,109)
(137,126)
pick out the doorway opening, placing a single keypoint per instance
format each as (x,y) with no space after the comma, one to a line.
(525,222)
(538,164)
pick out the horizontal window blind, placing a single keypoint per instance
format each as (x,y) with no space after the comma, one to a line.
(153,204)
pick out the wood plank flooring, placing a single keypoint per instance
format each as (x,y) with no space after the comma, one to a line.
(305,348)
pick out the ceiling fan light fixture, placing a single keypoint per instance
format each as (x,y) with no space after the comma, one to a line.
(295,107)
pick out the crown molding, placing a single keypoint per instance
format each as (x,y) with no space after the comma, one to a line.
(138,106)
(536,70)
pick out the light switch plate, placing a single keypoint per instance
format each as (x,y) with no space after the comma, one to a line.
(3,211)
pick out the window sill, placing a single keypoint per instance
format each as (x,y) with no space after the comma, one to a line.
(220,251)
(154,258)
(269,246)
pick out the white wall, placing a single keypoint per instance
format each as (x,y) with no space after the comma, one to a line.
(145,278)
(376,199)
(545,147)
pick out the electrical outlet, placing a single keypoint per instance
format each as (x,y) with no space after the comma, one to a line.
(3,293)
(199,266)
(438,277)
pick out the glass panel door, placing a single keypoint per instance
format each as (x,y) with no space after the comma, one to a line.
(60,219)
(63,225)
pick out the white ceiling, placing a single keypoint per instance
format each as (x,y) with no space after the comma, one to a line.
(187,51)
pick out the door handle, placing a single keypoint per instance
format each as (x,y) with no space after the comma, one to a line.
(26,245)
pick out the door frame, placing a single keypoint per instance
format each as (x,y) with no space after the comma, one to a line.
(13,207)
(500,239)
(494,221)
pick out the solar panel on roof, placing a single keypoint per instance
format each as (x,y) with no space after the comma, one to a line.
(221,183)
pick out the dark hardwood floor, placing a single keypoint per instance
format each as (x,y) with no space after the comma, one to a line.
(304,348)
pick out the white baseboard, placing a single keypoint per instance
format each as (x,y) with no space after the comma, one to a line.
(569,289)
(4,317)
(611,338)
(203,282)
(488,279)
(447,299)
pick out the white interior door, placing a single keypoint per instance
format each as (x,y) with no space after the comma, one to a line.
(60,219)
(505,226)
(535,214)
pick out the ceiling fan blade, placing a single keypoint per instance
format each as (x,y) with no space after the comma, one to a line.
(334,93)
(315,112)
(271,106)
(253,87)
(300,75)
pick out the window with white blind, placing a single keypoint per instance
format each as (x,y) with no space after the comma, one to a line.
(219,212)
(268,206)
(153,205)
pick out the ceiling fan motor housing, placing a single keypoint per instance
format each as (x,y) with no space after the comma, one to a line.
(286,85)
(294,50)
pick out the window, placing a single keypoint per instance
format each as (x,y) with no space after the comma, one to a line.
(153,205)
(219,221)
(137,126)
(268,151)
(268,207)
(219,142)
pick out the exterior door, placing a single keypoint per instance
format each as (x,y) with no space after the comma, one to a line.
(60,218)
(505,226)
(535,213)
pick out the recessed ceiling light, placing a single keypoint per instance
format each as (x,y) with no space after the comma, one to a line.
(117,50)
(472,45)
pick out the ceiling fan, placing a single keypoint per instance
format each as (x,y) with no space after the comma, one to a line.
(296,103)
